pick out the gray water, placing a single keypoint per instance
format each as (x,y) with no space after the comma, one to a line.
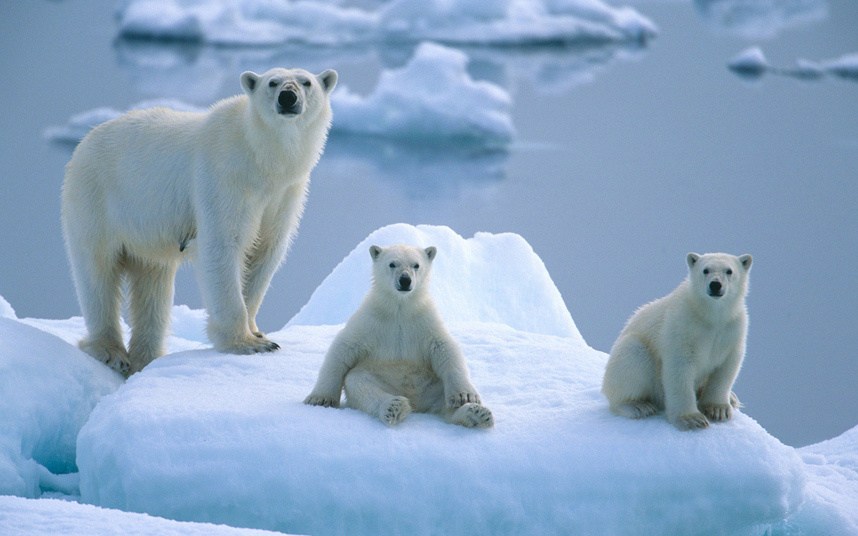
(626,159)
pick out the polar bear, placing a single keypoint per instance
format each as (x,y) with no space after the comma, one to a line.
(682,353)
(394,355)
(226,187)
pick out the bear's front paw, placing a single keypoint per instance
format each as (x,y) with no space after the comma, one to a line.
(321,400)
(255,344)
(717,412)
(460,399)
(691,421)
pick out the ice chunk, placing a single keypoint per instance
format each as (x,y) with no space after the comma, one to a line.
(47,390)
(845,66)
(750,62)
(80,125)
(494,278)
(432,97)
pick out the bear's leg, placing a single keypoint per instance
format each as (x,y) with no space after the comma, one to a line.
(472,415)
(630,382)
(220,270)
(364,391)
(680,396)
(98,283)
(151,298)
(716,398)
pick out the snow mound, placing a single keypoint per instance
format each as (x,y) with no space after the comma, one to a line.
(262,22)
(25,517)
(47,390)
(433,96)
(494,278)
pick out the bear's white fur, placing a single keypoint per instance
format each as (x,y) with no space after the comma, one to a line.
(394,355)
(139,189)
(682,353)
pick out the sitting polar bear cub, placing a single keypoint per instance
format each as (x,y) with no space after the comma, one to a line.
(682,353)
(394,354)
(232,180)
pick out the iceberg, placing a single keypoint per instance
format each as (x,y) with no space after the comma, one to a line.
(203,437)
(263,22)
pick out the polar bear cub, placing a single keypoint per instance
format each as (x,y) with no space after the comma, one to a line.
(231,182)
(394,355)
(682,353)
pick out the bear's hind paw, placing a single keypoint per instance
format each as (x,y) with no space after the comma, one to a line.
(460,399)
(473,415)
(324,401)
(396,411)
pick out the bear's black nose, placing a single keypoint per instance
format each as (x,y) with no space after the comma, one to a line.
(287,98)
(404,283)
(715,288)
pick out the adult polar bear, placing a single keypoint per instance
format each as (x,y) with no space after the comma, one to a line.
(139,188)
(686,345)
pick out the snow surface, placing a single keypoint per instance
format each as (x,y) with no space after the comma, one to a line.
(264,22)
(432,98)
(752,63)
(207,437)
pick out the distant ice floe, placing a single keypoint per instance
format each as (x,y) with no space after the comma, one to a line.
(263,22)
(432,99)
(752,63)
(760,19)
(79,125)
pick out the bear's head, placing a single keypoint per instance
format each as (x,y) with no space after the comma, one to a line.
(719,276)
(401,270)
(289,94)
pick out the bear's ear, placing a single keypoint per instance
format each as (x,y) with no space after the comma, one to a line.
(248,81)
(328,79)
(746,261)
(374,252)
(692,259)
(430,252)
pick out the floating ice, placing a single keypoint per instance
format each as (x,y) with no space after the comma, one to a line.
(845,66)
(749,62)
(79,125)
(432,97)
(760,19)
(262,22)
(47,390)
(752,63)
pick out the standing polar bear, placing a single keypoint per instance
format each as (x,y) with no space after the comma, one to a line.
(682,353)
(394,354)
(139,189)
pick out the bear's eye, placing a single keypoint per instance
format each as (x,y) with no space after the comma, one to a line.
(307,83)
(706,271)
(274,83)
(392,265)
(729,271)
(416,267)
